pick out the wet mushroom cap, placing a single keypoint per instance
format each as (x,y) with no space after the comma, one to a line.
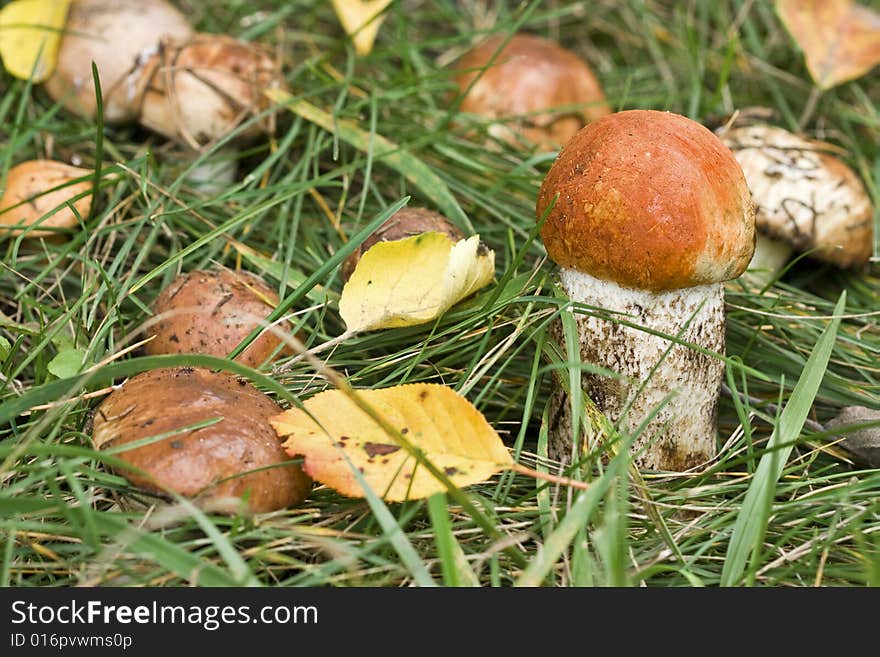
(531,78)
(198,90)
(232,458)
(805,196)
(402,224)
(27,198)
(118,35)
(649,200)
(211,312)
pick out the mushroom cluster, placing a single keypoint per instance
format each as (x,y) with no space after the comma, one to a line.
(647,214)
(238,455)
(153,68)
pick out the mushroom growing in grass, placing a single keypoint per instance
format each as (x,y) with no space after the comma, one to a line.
(233,453)
(36,188)
(193,88)
(533,87)
(119,36)
(211,312)
(404,223)
(807,199)
(650,214)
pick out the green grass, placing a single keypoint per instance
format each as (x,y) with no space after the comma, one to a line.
(66,518)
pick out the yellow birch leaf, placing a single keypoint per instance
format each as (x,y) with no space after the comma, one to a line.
(413,280)
(30,31)
(840,39)
(335,436)
(360,21)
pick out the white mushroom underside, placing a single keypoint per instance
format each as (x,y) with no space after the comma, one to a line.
(684,383)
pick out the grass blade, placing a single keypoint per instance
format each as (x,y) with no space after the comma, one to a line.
(751,522)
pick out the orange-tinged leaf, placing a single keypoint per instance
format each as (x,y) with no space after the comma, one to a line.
(840,39)
(30,31)
(335,435)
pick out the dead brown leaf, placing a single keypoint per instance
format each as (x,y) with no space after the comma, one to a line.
(840,39)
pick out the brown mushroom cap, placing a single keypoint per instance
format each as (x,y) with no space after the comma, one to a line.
(805,196)
(199,89)
(211,312)
(649,200)
(25,200)
(404,223)
(117,35)
(200,462)
(531,76)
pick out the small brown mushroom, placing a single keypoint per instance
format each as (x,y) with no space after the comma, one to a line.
(118,35)
(807,198)
(211,312)
(239,456)
(27,197)
(402,224)
(533,87)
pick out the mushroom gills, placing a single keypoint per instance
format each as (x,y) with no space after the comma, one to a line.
(676,383)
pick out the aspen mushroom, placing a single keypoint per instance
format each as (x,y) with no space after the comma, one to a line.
(807,198)
(533,87)
(653,214)
(211,312)
(38,187)
(404,223)
(239,456)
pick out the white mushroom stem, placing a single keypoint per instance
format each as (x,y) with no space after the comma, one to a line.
(771,255)
(215,174)
(654,372)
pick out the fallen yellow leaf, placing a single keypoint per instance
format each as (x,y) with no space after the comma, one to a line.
(413,280)
(840,39)
(335,435)
(30,31)
(361,21)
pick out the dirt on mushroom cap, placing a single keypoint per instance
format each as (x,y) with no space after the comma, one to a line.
(805,195)
(232,458)
(211,312)
(650,200)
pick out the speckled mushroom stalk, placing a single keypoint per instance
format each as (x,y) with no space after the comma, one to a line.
(650,214)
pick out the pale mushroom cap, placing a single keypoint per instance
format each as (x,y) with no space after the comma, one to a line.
(25,199)
(198,90)
(805,195)
(650,200)
(118,35)
(531,76)
(239,455)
